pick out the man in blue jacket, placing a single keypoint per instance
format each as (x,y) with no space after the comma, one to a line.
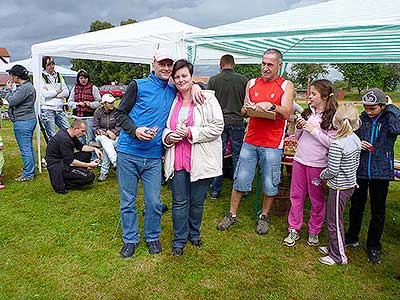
(378,133)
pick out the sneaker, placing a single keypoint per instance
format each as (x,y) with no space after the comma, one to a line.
(214,195)
(374,256)
(292,237)
(102,177)
(313,240)
(127,250)
(349,243)
(226,222)
(323,250)
(262,225)
(22,178)
(196,243)
(2,186)
(154,247)
(177,251)
(327,260)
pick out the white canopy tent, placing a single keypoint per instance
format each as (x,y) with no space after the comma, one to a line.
(338,31)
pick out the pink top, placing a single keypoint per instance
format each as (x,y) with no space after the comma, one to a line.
(313,147)
(183,149)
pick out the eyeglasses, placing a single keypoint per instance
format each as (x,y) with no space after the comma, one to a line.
(51,63)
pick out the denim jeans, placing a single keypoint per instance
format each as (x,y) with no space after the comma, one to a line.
(89,136)
(236,135)
(23,131)
(51,118)
(187,207)
(270,165)
(109,153)
(130,169)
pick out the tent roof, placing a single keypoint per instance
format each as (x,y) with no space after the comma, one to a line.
(27,63)
(334,31)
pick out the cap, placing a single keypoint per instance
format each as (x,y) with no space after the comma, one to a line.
(374,96)
(162,54)
(19,71)
(107,98)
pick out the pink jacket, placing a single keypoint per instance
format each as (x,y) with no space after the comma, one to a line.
(313,147)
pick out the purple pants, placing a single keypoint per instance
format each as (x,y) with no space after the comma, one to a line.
(306,179)
(336,204)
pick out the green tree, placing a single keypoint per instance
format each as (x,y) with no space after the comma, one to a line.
(250,71)
(361,76)
(390,74)
(300,74)
(102,72)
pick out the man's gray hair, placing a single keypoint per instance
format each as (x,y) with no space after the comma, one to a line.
(276,52)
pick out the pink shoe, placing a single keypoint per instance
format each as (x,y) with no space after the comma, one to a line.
(2,186)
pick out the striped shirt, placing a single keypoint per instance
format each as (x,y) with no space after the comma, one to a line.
(343,161)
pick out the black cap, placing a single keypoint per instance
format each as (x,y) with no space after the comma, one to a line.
(19,71)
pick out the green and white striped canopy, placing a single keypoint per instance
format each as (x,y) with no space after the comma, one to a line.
(339,31)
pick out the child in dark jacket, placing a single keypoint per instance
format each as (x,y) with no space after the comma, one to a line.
(378,134)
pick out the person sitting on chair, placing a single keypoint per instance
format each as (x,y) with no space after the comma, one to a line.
(69,169)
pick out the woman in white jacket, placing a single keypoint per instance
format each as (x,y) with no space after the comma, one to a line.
(193,156)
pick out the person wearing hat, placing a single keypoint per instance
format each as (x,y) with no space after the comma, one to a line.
(107,132)
(84,100)
(378,133)
(21,111)
(52,93)
(142,115)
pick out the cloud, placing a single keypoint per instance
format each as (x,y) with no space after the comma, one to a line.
(24,22)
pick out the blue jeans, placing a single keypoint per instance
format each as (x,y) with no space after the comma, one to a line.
(187,207)
(89,136)
(270,165)
(23,131)
(236,135)
(51,118)
(130,169)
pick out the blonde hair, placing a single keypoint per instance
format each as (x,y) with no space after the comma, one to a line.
(346,120)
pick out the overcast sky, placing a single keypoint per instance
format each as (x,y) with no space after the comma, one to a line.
(27,22)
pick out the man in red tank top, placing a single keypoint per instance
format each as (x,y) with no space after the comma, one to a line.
(263,141)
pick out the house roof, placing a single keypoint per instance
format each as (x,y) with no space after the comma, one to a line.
(4,52)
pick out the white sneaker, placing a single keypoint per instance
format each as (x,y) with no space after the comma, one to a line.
(292,237)
(323,250)
(327,260)
(313,240)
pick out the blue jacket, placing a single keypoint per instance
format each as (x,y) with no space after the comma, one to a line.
(146,103)
(382,133)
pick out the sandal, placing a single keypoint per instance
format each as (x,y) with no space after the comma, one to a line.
(22,179)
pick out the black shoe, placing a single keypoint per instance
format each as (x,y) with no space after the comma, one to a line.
(374,256)
(350,243)
(214,195)
(177,251)
(154,247)
(127,250)
(196,243)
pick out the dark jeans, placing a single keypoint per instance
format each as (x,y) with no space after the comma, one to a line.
(187,207)
(236,135)
(378,190)
(62,177)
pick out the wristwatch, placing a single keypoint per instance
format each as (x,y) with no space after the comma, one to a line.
(272,108)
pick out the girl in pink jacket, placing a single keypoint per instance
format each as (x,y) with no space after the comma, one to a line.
(314,132)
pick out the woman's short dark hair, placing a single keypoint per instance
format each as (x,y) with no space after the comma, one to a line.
(83,73)
(181,63)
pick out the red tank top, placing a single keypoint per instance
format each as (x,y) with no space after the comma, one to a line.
(264,132)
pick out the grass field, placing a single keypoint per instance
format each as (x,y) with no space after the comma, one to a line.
(67,247)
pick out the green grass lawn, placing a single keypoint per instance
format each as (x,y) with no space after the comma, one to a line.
(67,247)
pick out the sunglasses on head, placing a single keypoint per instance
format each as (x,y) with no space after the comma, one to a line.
(51,63)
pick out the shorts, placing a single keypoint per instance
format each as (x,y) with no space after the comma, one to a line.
(269,161)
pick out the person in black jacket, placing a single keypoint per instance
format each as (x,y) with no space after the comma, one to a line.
(67,168)
(378,133)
